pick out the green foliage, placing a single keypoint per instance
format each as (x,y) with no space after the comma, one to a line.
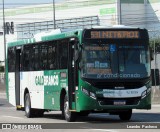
(155,42)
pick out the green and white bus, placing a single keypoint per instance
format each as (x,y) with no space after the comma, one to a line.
(81,72)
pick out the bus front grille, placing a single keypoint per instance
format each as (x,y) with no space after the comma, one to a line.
(110,101)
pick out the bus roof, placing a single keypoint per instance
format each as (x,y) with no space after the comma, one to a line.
(45,37)
(55,35)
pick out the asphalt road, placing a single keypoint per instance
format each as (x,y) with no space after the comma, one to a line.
(92,123)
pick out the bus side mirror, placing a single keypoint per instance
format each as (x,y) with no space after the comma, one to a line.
(81,65)
(151,54)
(79,55)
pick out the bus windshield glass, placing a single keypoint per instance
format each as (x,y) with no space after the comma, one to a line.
(112,61)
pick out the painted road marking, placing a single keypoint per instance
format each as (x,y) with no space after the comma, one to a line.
(12,117)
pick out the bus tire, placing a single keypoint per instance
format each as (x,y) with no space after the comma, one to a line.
(29,112)
(69,116)
(126,115)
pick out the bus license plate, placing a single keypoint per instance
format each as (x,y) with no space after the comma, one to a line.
(119,102)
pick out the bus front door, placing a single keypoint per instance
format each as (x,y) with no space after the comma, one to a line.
(72,74)
(17,76)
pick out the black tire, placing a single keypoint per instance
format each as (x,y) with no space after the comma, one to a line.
(29,112)
(69,116)
(126,115)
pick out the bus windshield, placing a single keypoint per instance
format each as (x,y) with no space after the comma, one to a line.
(112,61)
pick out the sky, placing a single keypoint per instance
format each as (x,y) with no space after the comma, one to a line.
(19,3)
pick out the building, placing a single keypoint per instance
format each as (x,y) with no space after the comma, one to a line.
(138,13)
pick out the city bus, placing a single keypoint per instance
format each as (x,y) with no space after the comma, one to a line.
(78,72)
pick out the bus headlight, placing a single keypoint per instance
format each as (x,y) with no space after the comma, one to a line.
(85,91)
(148,90)
(92,95)
(144,94)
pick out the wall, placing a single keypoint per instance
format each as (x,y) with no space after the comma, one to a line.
(142,13)
(133,14)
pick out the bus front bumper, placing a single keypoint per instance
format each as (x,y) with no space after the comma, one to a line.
(86,103)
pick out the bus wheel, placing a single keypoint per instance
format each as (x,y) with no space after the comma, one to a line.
(69,116)
(28,111)
(126,115)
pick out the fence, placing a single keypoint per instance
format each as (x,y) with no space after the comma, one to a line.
(28,30)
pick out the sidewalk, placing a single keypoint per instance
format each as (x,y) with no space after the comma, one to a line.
(155,95)
(2,91)
(3,95)
(2,87)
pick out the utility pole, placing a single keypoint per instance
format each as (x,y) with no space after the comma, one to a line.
(4,35)
(54,21)
(119,12)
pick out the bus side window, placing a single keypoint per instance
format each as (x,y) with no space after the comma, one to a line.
(63,53)
(43,57)
(31,67)
(26,58)
(11,59)
(36,57)
(52,57)
(34,66)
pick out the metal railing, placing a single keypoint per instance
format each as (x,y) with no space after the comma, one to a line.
(28,30)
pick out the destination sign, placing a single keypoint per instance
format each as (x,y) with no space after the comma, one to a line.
(114,34)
